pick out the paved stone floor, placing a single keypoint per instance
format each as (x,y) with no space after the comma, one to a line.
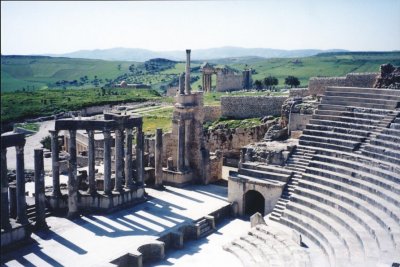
(94,240)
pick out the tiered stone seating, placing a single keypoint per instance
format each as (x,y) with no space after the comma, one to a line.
(344,197)
(347,201)
(267,246)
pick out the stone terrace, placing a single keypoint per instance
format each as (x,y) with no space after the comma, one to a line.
(344,198)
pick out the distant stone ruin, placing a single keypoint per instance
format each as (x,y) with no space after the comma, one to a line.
(389,77)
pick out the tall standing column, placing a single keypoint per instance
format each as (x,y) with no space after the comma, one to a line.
(182,84)
(139,156)
(187,73)
(91,163)
(40,199)
(5,214)
(72,176)
(181,145)
(107,161)
(119,159)
(158,158)
(128,159)
(21,200)
(55,163)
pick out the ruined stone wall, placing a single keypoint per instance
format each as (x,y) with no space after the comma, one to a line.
(229,81)
(299,121)
(299,92)
(171,91)
(212,113)
(317,85)
(241,107)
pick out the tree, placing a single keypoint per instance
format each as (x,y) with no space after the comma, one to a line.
(46,142)
(270,81)
(258,84)
(292,81)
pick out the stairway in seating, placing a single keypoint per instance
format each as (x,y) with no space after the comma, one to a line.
(297,162)
(31,212)
(205,227)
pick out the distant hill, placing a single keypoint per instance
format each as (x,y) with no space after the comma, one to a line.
(141,55)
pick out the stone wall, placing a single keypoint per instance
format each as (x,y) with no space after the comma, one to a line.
(299,92)
(229,81)
(317,85)
(171,91)
(299,121)
(211,113)
(241,107)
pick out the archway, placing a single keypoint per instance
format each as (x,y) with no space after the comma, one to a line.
(253,202)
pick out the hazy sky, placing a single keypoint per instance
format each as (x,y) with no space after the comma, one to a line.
(59,27)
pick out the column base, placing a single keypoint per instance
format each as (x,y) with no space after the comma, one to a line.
(73,215)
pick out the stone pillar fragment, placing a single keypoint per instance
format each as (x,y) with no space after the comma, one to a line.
(128,159)
(72,176)
(21,200)
(187,73)
(107,161)
(182,84)
(91,163)
(139,156)
(5,214)
(55,164)
(158,158)
(119,159)
(40,199)
(181,145)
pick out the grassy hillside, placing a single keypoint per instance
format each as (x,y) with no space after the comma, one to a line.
(19,105)
(327,64)
(26,73)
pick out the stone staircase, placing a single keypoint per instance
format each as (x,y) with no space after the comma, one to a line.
(267,246)
(345,199)
(204,227)
(31,212)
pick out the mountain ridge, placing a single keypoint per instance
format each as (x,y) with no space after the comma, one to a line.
(141,55)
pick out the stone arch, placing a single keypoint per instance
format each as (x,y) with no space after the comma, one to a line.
(253,202)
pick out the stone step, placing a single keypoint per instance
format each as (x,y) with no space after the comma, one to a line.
(375,91)
(349,213)
(373,162)
(384,153)
(386,222)
(237,176)
(358,104)
(341,107)
(254,252)
(241,254)
(346,94)
(350,114)
(363,170)
(390,131)
(345,119)
(392,145)
(265,167)
(332,134)
(340,124)
(395,126)
(378,197)
(359,99)
(388,137)
(325,145)
(359,133)
(386,199)
(358,235)
(264,174)
(335,141)
(262,249)
(326,224)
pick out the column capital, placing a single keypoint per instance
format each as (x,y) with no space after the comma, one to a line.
(53,132)
(19,149)
(129,131)
(107,133)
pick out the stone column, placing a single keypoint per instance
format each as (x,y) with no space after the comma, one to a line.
(21,200)
(119,159)
(5,214)
(107,161)
(158,158)
(72,177)
(182,84)
(187,73)
(55,163)
(139,156)
(181,145)
(40,199)
(128,159)
(12,191)
(91,163)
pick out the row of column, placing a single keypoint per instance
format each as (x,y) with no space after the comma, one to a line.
(181,164)
(121,165)
(40,201)
(206,79)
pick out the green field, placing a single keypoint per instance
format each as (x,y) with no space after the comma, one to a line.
(19,105)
